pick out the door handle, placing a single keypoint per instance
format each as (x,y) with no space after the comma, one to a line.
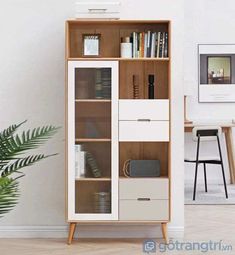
(101,10)
(143,120)
(143,199)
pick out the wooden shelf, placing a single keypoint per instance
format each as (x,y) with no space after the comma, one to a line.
(92,100)
(111,22)
(120,59)
(81,140)
(84,179)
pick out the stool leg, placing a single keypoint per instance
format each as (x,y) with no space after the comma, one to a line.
(195,182)
(196,168)
(205,177)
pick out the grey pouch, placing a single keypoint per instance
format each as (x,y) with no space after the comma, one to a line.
(144,168)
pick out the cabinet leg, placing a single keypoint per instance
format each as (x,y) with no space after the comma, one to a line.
(72,227)
(164,232)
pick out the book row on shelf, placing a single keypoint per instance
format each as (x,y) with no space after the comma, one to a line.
(149,44)
(85,163)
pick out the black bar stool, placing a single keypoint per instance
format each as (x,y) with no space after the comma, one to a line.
(207,134)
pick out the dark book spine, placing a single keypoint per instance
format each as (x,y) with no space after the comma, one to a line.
(148,44)
(138,45)
(132,41)
(163,44)
(166,46)
(156,47)
(160,45)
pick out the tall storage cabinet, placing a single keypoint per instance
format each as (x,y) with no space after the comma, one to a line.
(106,127)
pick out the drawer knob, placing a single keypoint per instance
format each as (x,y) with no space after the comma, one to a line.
(143,199)
(143,120)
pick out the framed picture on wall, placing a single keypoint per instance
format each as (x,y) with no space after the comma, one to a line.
(216,77)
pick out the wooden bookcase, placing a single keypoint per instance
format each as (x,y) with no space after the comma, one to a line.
(111,127)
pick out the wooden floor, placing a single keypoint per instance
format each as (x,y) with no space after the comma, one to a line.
(202,223)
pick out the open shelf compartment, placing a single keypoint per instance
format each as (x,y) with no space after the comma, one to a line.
(110,34)
(144,151)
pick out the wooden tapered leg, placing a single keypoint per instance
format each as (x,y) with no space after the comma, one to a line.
(164,232)
(231,153)
(72,227)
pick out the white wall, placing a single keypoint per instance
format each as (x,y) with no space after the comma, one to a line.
(32,87)
(210,21)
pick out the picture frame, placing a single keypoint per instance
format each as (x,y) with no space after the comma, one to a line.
(91,45)
(216,73)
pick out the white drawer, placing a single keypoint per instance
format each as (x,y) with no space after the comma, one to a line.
(134,188)
(144,109)
(144,131)
(144,210)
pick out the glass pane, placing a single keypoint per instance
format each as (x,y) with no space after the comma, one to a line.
(92,140)
(93,120)
(93,83)
(94,160)
(93,197)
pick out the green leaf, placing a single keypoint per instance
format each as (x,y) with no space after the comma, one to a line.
(9,193)
(23,162)
(13,146)
(10,130)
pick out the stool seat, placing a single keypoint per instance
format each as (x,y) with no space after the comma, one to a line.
(203,159)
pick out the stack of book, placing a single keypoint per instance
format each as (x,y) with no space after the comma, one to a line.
(103,83)
(149,44)
(84,159)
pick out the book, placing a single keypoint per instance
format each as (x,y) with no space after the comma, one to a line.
(149,44)
(145,44)
(160,45)
(93,165)
(77,161)
(98,84)
(156,45)
(163,43)
(153,45)
(166,46)
(106,82)
(80,163)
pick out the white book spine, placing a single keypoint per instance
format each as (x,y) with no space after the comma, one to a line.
(153,45)
(82,163)
(77,160)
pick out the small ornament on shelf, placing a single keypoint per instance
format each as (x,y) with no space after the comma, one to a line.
(136,89)
(126,47)
(151,86)
(91,45)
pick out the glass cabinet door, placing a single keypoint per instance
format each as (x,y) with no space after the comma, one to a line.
(92,139)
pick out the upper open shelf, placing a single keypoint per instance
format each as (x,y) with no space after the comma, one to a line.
(110,33)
